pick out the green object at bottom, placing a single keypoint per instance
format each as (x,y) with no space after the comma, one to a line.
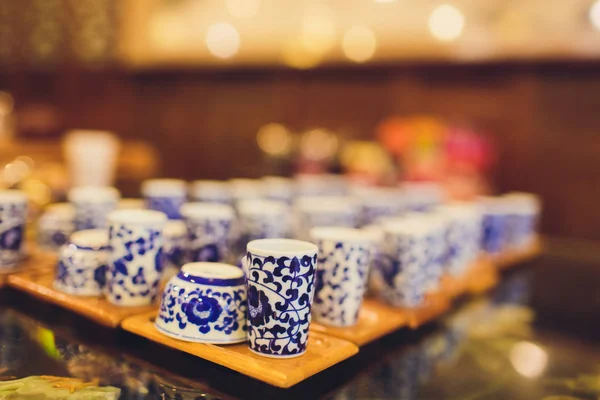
(53,387)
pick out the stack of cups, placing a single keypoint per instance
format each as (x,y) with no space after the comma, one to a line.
(210,234)
(524,212)
(135,264)
(13,217)
(55,226)
(165,195)
(210,191)
(463,235)
(344,259)
(313,211)
(92,205)
(281,274)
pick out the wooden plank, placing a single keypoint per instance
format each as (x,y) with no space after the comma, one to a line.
(322,352)
(514,257)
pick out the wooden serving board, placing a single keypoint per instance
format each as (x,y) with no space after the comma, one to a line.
(38,283)
(480,276)
(513,257)
(322,352)
(36,260)
(375,320)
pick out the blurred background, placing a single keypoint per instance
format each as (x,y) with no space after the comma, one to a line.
(486,96)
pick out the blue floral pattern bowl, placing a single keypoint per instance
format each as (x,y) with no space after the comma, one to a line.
(81,268)
(205,302)
(13,216)
(281,274)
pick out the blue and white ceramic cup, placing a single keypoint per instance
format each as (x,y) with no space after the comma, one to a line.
(344,258)
(205,302)
(312,211)
(406,259)
(92,205)
(165,195)
(210,234)
(381,202)
(464,230)
(522,220)
(244,188)
(135,264)
(278,188)
(375,283)
(211,191)
(281,274)
(82,265)
(495,224)
(423,196)
(175,244)
(55,226)
(13,218)
(263,219)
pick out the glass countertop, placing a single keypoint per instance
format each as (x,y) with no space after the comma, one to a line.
(535,336)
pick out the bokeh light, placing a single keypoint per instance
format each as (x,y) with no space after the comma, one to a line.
(594,14)
(319,144)
(446,23)
(222,40)
(242,8)
(528,359)
(318,29)
(274,139)
(359,44)
(296,55)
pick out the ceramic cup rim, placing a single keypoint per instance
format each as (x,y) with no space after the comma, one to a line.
(8,196)
(340,234)
(90,239)
(261,207)
(93,194)
(137,217)
(174,228)
(206,210)
(164,187)
(212,274)
(281,247)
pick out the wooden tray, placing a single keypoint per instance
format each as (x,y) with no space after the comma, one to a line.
(36,259)
(38,283)
(515,257)
(480,276)
(374,321)
(435,305)
(323,352)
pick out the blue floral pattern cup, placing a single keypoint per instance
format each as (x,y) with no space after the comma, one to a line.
(495,225)
(263,219)
(135,264)
(55,226)
(380,202)
(92,205)
(13,217)
(205,302)
(82,265)
(211,191)
(522,220)
(313,211)
(280,275)
(344,258)
(165,195)
(210,233)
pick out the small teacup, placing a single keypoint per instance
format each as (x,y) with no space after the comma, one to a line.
(135,265)
(165,195)
(312,211)
(211,191)
(263,219)
(244,188)
(524,212)
(375,282)
(175,244)
(209,227)
(281,275)
(278,188)
(92,205)
(381,202)
(55,226)
(423,196)
(344,258)
(13,218)
(205,302)
(496,212)
(82,265)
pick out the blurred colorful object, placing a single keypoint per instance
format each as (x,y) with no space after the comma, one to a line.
(54,387)
(429,149)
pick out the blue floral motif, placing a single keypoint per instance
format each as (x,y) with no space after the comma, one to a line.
(201,311)
(12,238)
(280,292)
(92,215)
(100,275)
(170,205)
(209,240)
(81,272)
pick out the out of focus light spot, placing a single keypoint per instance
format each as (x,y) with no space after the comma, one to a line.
(594,15)
(274,139)
(319,144)
(15,171)
(446,23)
(222,40)
(318,29)
(37,191)
(296,55)
(242,8)
(359,44)
(528,359)
(167,31)
(6,103)
(27,160)
(385,1)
